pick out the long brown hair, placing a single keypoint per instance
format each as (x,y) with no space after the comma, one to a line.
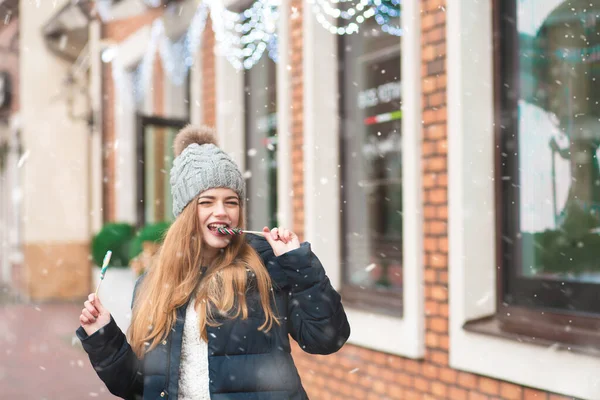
(175,276)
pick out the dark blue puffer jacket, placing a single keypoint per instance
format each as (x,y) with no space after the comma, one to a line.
(244,363)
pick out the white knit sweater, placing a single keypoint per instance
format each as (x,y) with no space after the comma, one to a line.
(193,371)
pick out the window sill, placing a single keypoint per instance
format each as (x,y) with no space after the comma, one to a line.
(541,333)
(377,319)
(381,333)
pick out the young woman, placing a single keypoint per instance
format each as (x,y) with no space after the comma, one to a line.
(211,317)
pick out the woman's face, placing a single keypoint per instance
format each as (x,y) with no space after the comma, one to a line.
(219,207)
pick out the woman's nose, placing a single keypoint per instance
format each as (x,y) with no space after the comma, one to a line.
(219,209)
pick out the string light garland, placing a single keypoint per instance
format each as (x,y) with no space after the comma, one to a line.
(385,11)
(244,37)
(346,21)
(177,56)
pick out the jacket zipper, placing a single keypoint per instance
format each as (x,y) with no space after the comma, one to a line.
(168,368)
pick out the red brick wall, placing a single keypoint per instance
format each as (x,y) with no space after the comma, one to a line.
(158,88)
(158,109)
(209,113)
(435,193)
(297,129)
(108,142)
(121,29)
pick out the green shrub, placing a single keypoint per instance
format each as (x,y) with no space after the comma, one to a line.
(114,236)
(149,233)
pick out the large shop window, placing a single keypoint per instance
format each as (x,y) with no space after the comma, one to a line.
(371,160)
(260,104)
(548,94)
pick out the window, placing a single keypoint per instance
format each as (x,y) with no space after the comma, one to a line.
(171,109)
(473,92)
(260,104)
(371,159)
(549,131)
(375,324)
(155,153)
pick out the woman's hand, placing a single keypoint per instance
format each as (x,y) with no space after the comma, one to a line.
(93,316)
(281,240)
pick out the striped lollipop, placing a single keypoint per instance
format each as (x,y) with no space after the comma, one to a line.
(236,231)
(104,268)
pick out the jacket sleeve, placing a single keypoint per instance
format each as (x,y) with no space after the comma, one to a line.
(114,360)
(316,316)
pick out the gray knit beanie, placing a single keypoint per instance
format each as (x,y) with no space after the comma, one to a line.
(200,165)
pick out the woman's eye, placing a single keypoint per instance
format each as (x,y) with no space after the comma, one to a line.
(204,203)
(233,203)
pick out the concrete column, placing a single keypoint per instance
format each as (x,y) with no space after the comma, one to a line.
(55,203)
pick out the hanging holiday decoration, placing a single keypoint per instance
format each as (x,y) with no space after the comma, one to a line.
(244,37)
(177,56)
(385,12)
(346,20)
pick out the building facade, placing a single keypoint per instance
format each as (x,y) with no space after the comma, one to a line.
(440,156)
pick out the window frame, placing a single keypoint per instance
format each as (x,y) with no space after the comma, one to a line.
(577,331)
(142,122)
(373,330)
(384,302)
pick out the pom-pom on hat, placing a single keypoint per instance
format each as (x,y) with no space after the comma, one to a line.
(200,165)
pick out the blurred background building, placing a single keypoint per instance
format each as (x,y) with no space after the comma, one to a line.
(441,157)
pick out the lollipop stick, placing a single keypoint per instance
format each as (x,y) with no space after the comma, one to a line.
(255,232)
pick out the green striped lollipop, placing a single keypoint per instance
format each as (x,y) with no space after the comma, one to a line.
(236,231)
(104,268)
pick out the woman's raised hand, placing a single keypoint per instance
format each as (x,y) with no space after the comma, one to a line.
(93,316)
(281,240)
